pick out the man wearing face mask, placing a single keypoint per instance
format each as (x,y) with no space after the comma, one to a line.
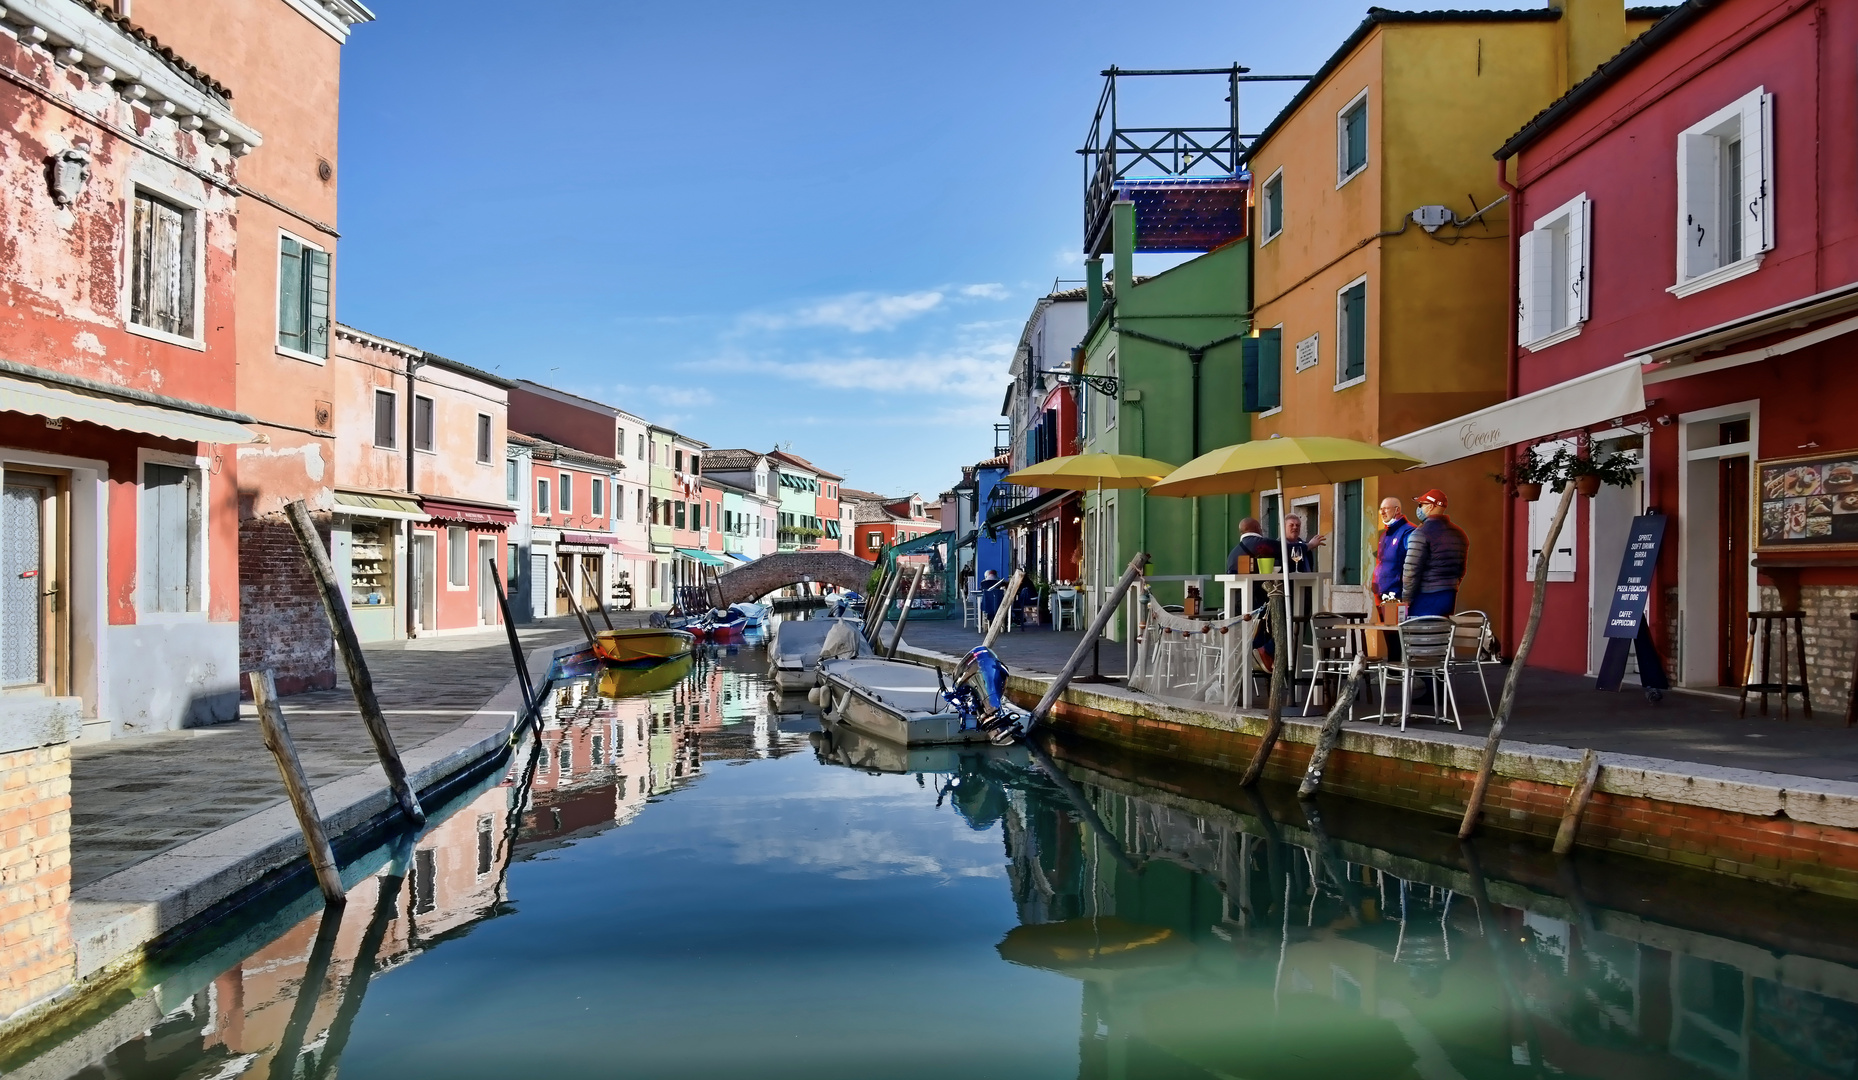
(1390,549)
(1436,552)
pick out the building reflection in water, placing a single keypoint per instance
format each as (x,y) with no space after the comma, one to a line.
(286,1007)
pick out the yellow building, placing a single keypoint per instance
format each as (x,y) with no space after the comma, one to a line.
(1381,276)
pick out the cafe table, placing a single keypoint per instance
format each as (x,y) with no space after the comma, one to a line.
(1238,601)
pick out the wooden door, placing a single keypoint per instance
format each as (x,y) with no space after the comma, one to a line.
(1733,569)
(590,581)
(426,580)
(565,578)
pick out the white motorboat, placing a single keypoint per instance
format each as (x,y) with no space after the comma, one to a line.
(892,699)
(794,650)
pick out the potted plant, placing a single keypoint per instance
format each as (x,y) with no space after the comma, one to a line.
(1588,474)
(1527,474)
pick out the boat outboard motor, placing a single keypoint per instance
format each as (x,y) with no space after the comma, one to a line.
(986,708)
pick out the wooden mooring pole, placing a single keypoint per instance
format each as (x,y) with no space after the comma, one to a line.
(1088,644)
(903,616)
(277,740)
(1004,613)
(1332,728)
(567,587)
(1274,710)
(1577,802)
(516,645)
(878,605)
(335,606)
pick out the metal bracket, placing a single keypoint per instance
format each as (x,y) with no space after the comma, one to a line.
(1107,385)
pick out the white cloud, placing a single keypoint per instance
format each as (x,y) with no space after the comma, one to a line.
(859,312)
(968,373)
(992,290)
(680,396)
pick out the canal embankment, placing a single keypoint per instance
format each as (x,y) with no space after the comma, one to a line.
(173,831)
(1754,798)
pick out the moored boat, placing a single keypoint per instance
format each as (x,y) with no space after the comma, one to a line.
(794,650)
(643,644)
(895,700)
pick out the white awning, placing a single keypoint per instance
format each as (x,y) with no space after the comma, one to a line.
(69,399)
(1593,398)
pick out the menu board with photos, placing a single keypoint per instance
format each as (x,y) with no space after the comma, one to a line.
(1807,502)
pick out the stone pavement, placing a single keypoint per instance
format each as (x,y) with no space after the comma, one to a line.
(133,798)
(1552,709)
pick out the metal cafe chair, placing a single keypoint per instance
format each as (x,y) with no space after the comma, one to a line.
(1065,609)
(1425,652)
(1474,647)
(1332,655)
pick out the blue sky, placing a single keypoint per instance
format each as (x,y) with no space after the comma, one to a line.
(817,223)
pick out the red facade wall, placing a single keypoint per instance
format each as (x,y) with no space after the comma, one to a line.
(583,429)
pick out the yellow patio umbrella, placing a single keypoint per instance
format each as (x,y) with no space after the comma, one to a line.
(1088,472)
(1297,460)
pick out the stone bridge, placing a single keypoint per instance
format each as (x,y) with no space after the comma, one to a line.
(770,572)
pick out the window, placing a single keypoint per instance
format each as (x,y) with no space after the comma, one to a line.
(641,514)
(596,502)
(302,298)
(162,266)
(423,438)
(1349,517)
(486,847)
(510,480)
(679,457)
(425,881)
(1351,130)
(598,757)
(1552,268)
(679,509)
(386,419)
(619,443)
(1725,216)
(169,521)
(696,517)
(564,756)
(541,496)
(1541,513)
(483,439)
(619,501)
(694,465)
(874,540)
(1351,333)
(706,513)
(1271,214)
(1264,370)
(565,482)
(457,556)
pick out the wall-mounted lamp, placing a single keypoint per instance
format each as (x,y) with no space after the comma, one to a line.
(1107,385)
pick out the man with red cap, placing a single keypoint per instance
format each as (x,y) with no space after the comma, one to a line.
(1436,553)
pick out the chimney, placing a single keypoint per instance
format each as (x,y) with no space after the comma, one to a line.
(1592,31)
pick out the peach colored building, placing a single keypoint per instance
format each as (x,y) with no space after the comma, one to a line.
(419,488)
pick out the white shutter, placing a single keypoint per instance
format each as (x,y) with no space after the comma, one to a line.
(1757,121)
(1580,262)
(1525,286)
(1696,206)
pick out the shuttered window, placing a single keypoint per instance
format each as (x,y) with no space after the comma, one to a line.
(423,436)
(1551,275)
(386,419)
(1349,518)
(457,556)
(1725,168)
(1351,352)
(1274,205)
(1264,370)
(1352,139)
(162,267)
(483,439)
(302,298)
(598,497)
(169,520)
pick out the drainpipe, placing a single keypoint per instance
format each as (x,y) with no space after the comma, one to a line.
(413,365)
(1513,379)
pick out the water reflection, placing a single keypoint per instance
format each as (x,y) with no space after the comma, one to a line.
(1095,918)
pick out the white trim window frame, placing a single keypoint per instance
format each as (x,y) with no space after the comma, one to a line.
(426,414)
(543,507)
(315,280)
(1271,208)
(457,562)
(1356,104)
(190,261)
(1554,264)
(195,521)
(1343,339)
(564,492)
(596,502)
(1725,193)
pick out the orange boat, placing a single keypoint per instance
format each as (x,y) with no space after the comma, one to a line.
(643,644)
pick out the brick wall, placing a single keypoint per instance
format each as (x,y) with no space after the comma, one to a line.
(281,621)
(37,955)
(1831,641)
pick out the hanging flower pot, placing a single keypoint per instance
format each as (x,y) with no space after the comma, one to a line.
(1528,492)
(1588,484)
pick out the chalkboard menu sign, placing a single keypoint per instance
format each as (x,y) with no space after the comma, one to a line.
(1634,588)
(1807,502)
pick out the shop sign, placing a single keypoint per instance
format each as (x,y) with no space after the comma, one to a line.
(1807,502)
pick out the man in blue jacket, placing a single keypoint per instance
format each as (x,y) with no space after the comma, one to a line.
(1436,554)
(1390,549)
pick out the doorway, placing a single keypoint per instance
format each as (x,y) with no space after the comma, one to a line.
(32,586)
(486,589)
(1715,542)
(564,579)
(590,582)
(1609,528)
(426,581)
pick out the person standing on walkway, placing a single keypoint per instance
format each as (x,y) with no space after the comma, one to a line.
(1254,544)
(1436,553)
(1390,549)
(993,590)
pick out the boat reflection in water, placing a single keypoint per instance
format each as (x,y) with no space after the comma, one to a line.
(1120,920)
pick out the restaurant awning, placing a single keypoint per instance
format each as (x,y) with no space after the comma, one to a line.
(56,396)
(467,513)
(704,557)
(1031,508)
(1593,398)
(739,557)
(378,505)
(601,539)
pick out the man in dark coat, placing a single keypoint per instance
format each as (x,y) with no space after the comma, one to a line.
(1436,554)
(1390,549)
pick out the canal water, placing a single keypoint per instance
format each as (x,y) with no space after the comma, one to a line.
(683,877)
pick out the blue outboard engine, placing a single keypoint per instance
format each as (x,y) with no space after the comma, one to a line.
(986,708)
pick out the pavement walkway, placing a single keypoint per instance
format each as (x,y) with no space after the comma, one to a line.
(1552,708)
(136,797)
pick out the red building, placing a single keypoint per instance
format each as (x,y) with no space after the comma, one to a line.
(1686,261)
(883,522)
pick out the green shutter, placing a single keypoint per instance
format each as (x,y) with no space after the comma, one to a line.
(317,324)
(290,314)
(1355,322)
(1248,349)
(1271,368)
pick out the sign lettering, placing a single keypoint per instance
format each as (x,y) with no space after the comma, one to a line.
(1633,592)
(1306,352)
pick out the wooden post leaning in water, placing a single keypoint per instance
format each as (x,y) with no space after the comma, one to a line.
(587,625)
(1332,728)
(904,615)
(516,645)
(1577,802)
(277,740)
(1004,613)
(878,605)
(1086,646)
(1508,701)
(335,606)
(1274,709)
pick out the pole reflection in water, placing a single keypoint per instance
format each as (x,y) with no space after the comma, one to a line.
(660,884)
